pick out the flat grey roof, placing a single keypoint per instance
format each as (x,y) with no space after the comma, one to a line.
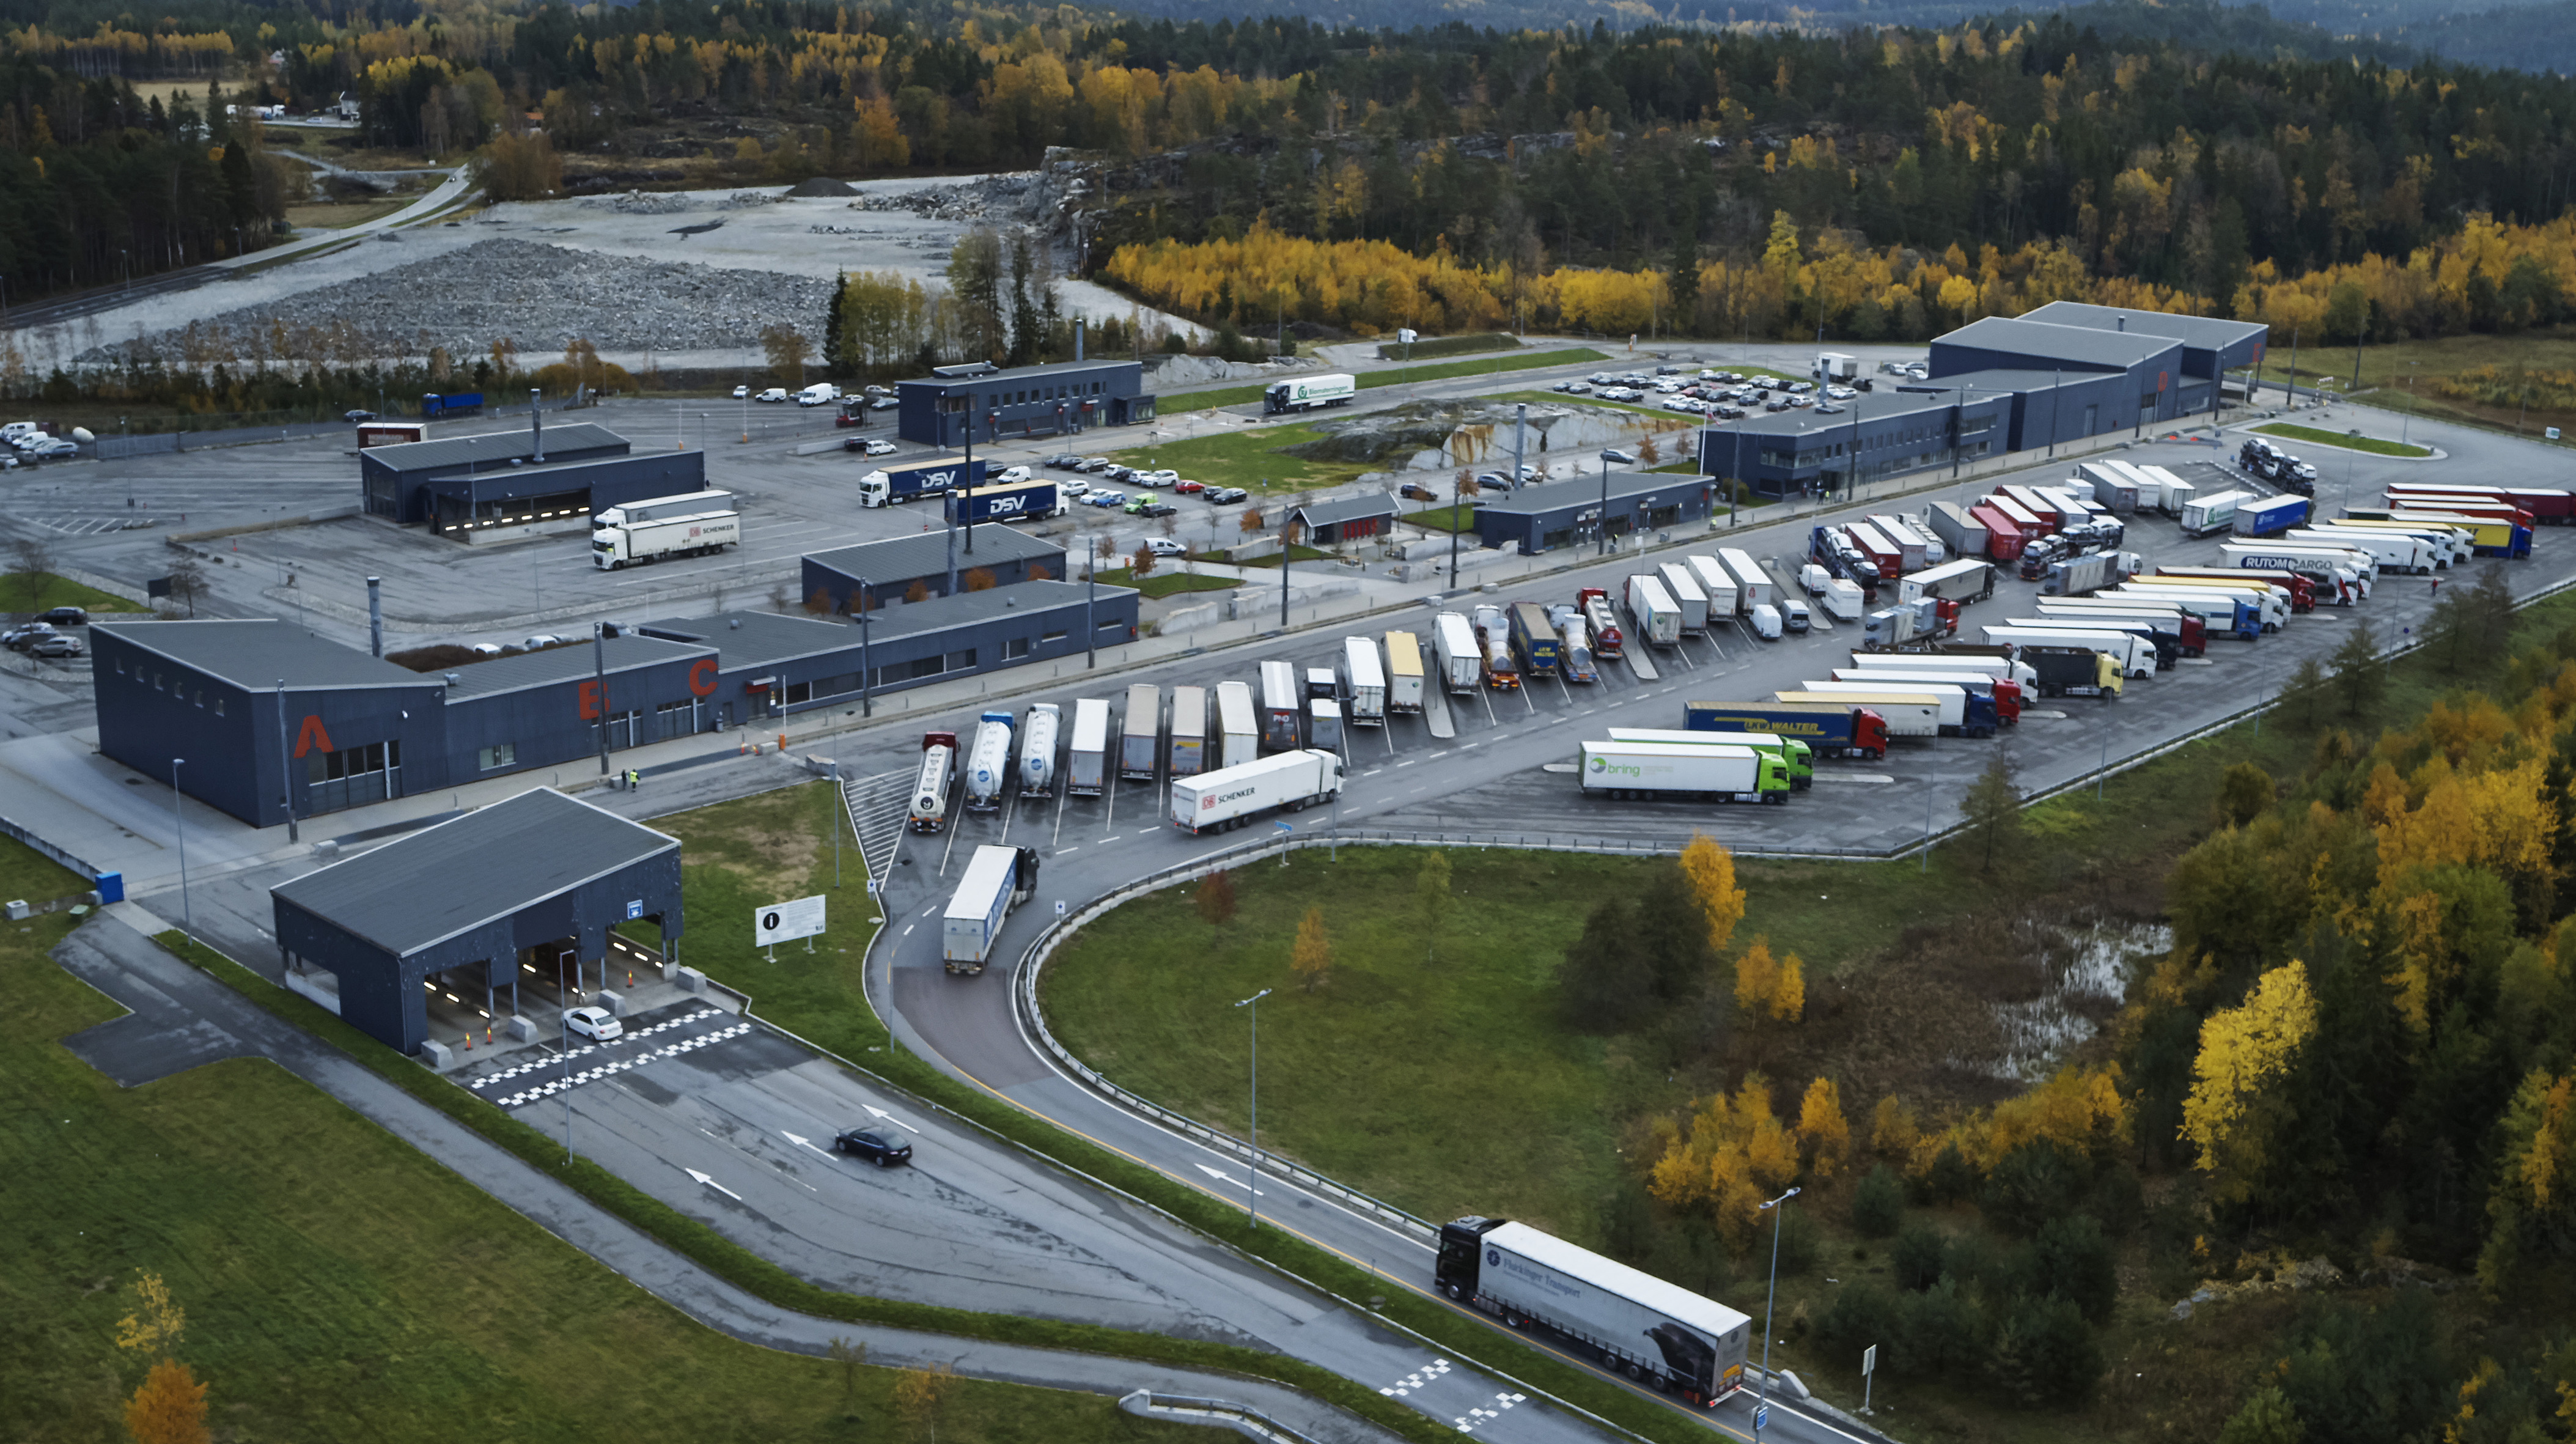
(421,890)
(1561,495)
(1993,384)
(1348,508)
(2078,345)
(914,618)
(1013,374)
(255,653)
(491,447)
(1870,410)
(2208,333)
(925,554)
(757,639)
(561,664)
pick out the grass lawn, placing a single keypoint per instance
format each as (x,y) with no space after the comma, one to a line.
(1250,459)
(2385,371)
(340,215)
(1297,553)
(1166,583)
(2318,436)
(1370,380)
(27,875)
(745,854)
(340,1285)
(1441,518)
(49,591)
(1448,1084)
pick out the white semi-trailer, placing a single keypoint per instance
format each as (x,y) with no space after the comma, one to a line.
(1682,771)
(983,898)
(1037,751)
(988,762)
(1658,616)
(1683,585)
(1462,661)
(1655,1331)
(615,546)
(1725,598)
(1232,796)
(1364,681)
(1087,772)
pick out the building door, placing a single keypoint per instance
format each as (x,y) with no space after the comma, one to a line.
(2092,418)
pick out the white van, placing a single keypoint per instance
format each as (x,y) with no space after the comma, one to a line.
(774,393)
(1793,615)
(1766,621)
(821,393)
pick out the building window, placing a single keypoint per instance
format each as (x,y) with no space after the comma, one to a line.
(1015,648)
(504,755)
(219,704)
(962,661)
(1049,639)
(120,666)
(156,681)
(837,684)
(200,697)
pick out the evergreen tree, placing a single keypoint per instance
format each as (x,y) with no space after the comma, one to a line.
(836,345)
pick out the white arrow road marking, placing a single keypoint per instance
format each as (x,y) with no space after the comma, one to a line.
(885,1117)
(1220,1176)
(711,1183)
(801,1143)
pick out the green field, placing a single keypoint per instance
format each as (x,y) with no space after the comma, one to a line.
(1448,346)
(1402,375)
(1443,518)
(2317,436)
(42,591)
(1167,582)
(1249,459)
(27,875)
(2385,372)
(340,1285)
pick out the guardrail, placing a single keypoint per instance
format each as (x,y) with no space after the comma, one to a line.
(1223,1413)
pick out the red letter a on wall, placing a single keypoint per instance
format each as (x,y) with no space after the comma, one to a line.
(311,736)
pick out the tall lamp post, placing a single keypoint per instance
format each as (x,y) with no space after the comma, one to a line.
(1777,1214)
(867,689)
(1603,522)
(1252,1183)
(179,823)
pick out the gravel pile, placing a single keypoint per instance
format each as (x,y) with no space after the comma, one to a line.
(540,297)
(639,203)
(1001,198)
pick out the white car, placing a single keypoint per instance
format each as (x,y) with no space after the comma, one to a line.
(879,446)
(597,1024)
(1158,480)
(1163,546)
(1010,475)
(486,649)
(740,392)
(774,393)
(1075,487)
(542,639)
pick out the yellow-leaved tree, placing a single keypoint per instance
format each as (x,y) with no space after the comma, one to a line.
(1313,956)
(1822,1130)
(1770,986)
(2232,1109)
(170,1407)
(2535,1183)
(1711,870)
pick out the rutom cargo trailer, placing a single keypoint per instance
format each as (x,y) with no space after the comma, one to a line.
(1037,750)
(1283,707)
(1365,682)
(1086,772)
(996,877)
(1461,658)
(1800,757)
(1189,731)
(1403,673)
(1682,772)
(1238,726)
(929,810)
(1834,729)
(1657,1332)
(1140,736)
(2349,569)
(1232,796)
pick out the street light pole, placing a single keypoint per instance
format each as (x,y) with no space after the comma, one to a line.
(599,686)
(179,822)
(1252,1184)
(867,692)
(1765,1398)
(285,764)
(1601,521)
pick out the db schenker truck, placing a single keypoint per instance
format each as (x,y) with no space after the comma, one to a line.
(1654,1331)
(1682,771)
(1800,757)
(1308,393)
(996,879)
(888,485)
(615,546)
(1833,729)
(1232,796)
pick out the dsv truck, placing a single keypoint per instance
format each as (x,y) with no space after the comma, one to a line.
(888,485)
(1232,796)
(1655,1331)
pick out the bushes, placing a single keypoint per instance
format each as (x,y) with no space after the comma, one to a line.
(1921,1256)
(1878,1204)
(2044,1354)
(2070,1260)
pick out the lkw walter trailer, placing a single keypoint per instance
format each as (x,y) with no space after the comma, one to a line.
(1654,1331)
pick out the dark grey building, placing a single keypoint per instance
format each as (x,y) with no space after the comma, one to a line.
(347,728)
(891,566)
(393,480)
(1800,453)
(543,709)
(1345,519)
(773,665)
(475,905)
(980,402)
(1567,513)
(2212,346)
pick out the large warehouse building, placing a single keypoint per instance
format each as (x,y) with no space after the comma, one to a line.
(982,402)
(260,716)
(474,907)
(1565,513)
(2054,377)
(892,567)
(500,485)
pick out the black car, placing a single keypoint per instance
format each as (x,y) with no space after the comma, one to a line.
(357,413)
(64,617)
(875,1145)
(1156,508)
(1226,495)
(1416,491)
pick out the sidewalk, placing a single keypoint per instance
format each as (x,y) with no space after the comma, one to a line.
(113,954)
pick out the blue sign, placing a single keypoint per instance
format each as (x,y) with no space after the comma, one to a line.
(1284,826)
(1761,1416)
(634,909)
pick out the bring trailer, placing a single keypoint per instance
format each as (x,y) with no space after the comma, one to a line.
(1834,729)
(1701,772)
(1655,1331)
(1232,796)
(1800,757)
(997,878)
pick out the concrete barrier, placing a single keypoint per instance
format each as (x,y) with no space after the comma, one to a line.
(614,1002)
(437,1055)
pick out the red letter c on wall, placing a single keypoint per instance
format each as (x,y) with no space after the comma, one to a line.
(702,677)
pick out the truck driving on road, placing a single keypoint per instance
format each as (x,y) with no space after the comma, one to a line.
(1657,1332)
(888,485)
(1232,796)
(996,879)
(1308,393)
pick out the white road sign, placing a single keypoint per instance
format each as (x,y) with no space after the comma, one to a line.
(786,922)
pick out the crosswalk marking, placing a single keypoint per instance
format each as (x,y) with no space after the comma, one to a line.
(555,1080)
